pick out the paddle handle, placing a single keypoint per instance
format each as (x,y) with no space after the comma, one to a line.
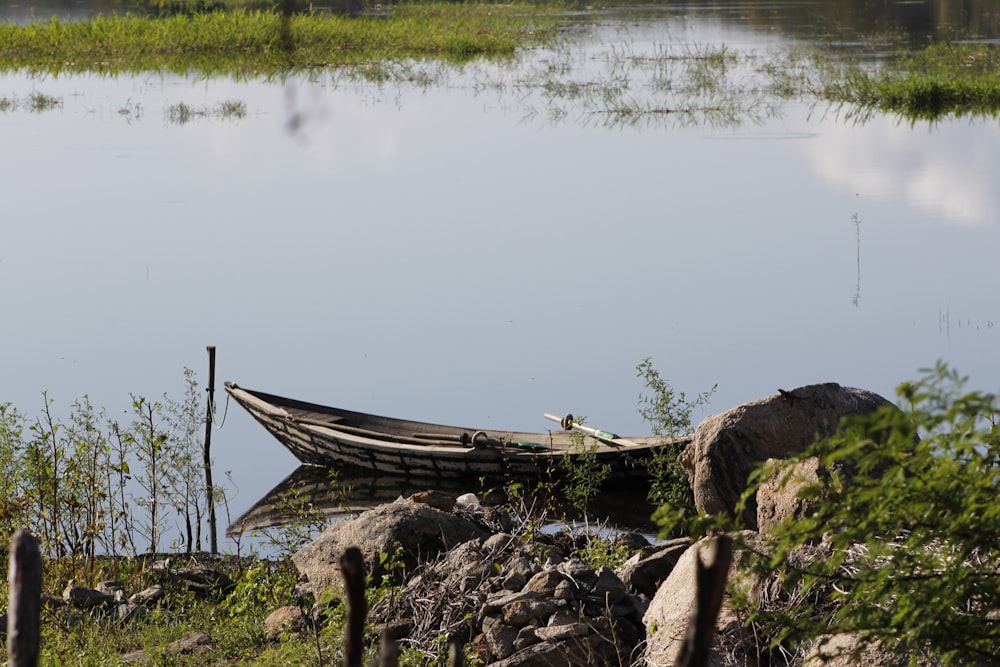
(549,415)
(570,425)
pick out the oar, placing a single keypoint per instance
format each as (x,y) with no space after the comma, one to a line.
(570,425)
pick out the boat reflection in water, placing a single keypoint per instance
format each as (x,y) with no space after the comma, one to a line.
(327,494)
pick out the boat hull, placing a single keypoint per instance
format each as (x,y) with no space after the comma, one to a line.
(325,436)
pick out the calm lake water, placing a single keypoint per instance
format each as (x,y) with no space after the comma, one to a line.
(480,250)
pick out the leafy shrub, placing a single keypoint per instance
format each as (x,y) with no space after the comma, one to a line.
(908,530)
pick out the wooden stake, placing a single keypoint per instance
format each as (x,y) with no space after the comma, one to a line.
(352,567)
(710,587)
(209,489)
(24,615)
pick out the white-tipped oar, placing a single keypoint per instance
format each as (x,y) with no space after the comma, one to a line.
(569,424)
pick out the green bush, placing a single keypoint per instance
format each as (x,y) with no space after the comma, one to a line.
(908,526)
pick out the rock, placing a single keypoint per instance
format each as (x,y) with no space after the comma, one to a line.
(727,446)
(285,619)
(545,582)
(115,589)
(608,589)
(436,499)
(848,650)
(670,612)
(148,596)
(777,495)
(500,639)
(643,574)
(199,642)
(521,612)
(127,612)
(82,597)
(204,580)
(422,532)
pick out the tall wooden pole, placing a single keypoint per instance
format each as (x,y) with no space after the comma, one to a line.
(209,490)
(24,615)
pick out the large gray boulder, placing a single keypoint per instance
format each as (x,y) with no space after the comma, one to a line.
(672,608)
(419,529)
(727,446)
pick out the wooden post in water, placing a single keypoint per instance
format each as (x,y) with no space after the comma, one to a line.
(209,489)
(24,614)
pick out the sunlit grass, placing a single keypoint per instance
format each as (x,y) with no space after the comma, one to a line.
(944,79)
(250,42)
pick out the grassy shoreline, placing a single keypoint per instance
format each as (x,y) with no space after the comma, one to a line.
(260,42)
(944,79)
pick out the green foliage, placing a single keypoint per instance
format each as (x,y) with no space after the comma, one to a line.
(85,485)
(264,585)
(668,413)
(907,529)
(584,473)
(605,553)
(252,42)
(943,79)
(305,521)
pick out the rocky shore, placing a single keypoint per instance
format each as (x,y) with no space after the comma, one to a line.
(517,595)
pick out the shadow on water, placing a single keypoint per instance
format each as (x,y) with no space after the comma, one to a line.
(337,495)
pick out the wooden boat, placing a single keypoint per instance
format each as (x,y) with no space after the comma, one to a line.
(332,437)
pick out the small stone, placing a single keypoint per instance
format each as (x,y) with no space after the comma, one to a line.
(82,597)
(199,642)
(520,612)
(526,637)
(436,499)
(500,640)
(498,542)
(149,596)
(496,603)
(130,612)
(608,587)
(115,589)
(553,633)
(545,582)
(284,619)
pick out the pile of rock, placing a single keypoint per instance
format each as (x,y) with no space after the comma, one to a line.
(520,603)
(523,599)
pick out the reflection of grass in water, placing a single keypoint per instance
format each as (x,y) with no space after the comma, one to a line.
(182,113)
(34,102)
(686,85)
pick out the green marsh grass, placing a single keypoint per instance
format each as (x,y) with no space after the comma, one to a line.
(944,79)
(256,42)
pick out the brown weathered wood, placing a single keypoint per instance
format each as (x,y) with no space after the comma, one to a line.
(209,488)
(456,658)
(388,650)
(710,585)
(326,436)
(24,614)
(352,566)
